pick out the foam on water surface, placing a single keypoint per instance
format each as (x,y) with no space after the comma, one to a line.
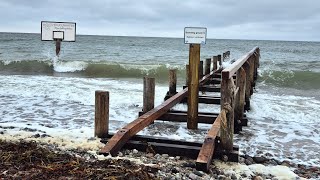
(280,172)
(283,127)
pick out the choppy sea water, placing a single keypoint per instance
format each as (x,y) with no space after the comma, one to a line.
(55,96)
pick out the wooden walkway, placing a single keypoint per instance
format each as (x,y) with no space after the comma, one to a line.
(235,83)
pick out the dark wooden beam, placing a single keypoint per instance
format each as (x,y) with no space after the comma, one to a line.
(207,150)
(202,99)
(171,147)
(208,88)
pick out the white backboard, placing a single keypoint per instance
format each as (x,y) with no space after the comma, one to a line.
(195,35)
(66,31)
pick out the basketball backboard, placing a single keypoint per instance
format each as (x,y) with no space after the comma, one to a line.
(65,31)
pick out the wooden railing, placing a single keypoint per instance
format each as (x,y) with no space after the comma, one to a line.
(234,99)
(235,96)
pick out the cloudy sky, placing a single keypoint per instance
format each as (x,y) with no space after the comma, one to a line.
(225,19)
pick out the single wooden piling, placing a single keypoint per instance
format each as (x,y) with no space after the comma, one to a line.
(240,99)
(251,60)
(172,82)
(187,74)
(256,59)
(148,93)
(207,66)
(246,67)
(101,120)
(193,93)
(227,107)
(220,61)
(201,69)
(215,62)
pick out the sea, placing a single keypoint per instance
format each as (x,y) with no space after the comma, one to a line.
(54,97)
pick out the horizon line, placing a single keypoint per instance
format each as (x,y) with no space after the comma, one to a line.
(172,37)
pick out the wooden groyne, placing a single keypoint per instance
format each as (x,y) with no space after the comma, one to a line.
(235,83)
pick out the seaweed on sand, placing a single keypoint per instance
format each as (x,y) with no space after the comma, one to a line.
(28,160)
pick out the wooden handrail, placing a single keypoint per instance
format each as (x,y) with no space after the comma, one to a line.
(228,72)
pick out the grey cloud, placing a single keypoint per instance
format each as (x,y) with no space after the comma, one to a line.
(242,19)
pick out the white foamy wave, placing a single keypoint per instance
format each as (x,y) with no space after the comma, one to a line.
(282,127)
(280,172)
(65,139)
(285,108)
(69,66)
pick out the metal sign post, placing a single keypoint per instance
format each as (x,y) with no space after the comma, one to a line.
(194,36)
(58,46)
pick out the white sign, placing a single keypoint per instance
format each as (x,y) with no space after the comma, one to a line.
(195,35)
(66,31)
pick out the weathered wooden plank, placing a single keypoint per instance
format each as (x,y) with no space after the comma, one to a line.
(193,93)
(218,75)
(246,67)
(157,139)
(210,88)
(172,81)
(205,113)
(207,150)
(101,117)
(187,75)
(252,67)
(240,99)
(227,107)
(173,147)
(182,117)
(205,100)
(200,70)
(220,61)
(216,81)
(215,62)
(148,93)
(207,66)
(233,68)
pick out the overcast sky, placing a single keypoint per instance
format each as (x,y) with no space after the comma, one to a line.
(225,19)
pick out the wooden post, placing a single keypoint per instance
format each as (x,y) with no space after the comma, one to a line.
(207,66)
(187,74)
(148,94)
(252,67)
(220,61)
(227,107)
(101,120)
(257,56)
(246,67)
(172,82)
(58,46)
(193,92)
(240,99)
(201,69)
(215,62)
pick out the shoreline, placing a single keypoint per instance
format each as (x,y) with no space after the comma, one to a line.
(145,165)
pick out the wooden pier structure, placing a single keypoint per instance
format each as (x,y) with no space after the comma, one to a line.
(235,84)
